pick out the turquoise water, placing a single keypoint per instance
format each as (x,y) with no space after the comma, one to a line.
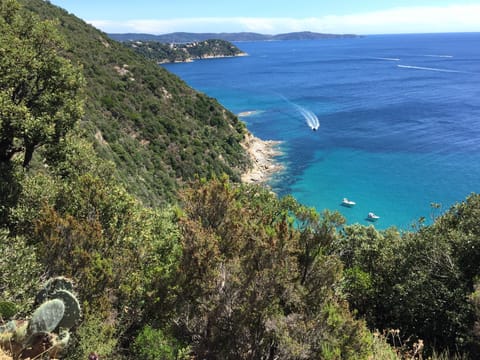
(399,118)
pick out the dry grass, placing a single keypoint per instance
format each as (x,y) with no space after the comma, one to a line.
(4,355)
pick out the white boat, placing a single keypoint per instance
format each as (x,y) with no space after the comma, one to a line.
(372,217)
(349,203)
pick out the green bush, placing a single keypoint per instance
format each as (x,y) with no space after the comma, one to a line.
(93,335)
(20,272)
(7,310)
(154,344)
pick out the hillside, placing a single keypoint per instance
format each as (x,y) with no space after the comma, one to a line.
(163,53)
(184,37)
(158,131)
(227,271)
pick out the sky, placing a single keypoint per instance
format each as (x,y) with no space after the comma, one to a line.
(363,17)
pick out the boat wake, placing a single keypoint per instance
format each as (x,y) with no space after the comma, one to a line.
(310,118)
(386,58)
(440,56)
(428,68)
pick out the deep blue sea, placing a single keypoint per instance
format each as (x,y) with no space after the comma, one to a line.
(399,118)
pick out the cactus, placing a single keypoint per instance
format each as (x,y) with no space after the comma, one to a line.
(47,317)
(72,308)
(51,286)
(62,288)
(14,331)
(47,330)
(6,331)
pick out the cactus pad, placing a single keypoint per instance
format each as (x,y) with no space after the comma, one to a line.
(52,285)
(72,308)
(47,317)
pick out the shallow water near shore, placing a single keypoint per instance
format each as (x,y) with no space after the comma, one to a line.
(399,118)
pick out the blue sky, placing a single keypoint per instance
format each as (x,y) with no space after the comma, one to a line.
(278,16)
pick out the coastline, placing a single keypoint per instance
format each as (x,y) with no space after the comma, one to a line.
(205,57)
(262,154)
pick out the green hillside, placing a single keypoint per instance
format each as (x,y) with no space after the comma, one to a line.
(163,53)
(226,271)
(157,130)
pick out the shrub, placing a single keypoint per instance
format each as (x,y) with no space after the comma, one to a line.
(154,344)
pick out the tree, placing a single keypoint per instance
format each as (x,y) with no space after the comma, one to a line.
(256,280)
(40,91)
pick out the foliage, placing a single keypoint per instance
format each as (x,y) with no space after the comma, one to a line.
(152,344)
(20,272)
(162,53)
(241,293)
(39,90)
(10,188)
(100,236)
(46,333)
(159,132)
(93,335)
(233,272)
(382,350)
(418,282)
(7,310)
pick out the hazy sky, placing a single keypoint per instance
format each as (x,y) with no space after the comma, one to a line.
(278,16)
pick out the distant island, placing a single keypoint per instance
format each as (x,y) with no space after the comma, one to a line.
(184,52)
(186,37)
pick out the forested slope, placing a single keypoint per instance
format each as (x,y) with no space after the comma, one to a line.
(163,53)
(227,270)
(157,130)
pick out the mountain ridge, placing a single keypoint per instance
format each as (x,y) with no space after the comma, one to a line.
(237,36)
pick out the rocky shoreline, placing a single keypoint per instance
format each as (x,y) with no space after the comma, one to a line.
(204,57)
(263,154)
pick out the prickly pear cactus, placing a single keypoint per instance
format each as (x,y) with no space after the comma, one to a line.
(62,288)
(72,308)
(47,317)
(47,331)
(51,286)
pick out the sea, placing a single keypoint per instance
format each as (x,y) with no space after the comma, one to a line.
(391,122)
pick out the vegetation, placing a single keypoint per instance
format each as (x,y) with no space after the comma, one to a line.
(221,270)
(39,93)
(158,131)
(162,53)
(47,331)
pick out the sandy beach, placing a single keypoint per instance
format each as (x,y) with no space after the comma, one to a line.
(263,154)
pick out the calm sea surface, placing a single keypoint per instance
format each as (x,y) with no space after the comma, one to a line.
(398,116)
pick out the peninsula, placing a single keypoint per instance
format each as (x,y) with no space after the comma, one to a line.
(184,52)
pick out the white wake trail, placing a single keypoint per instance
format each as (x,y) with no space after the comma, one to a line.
(386,58)
(428,69)
(440,56)
(310,118)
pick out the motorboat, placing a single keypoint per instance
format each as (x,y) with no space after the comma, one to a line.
(348,203)
(372,217)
